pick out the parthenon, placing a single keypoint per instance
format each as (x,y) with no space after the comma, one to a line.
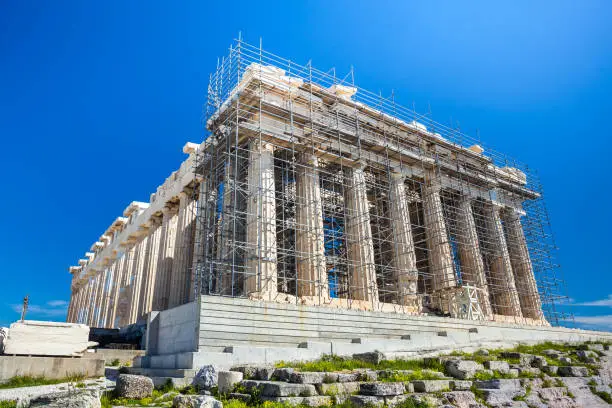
(308,190)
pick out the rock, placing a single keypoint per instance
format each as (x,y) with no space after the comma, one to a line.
(431,385)
(3,335)
(499,384)
(311,377)
(367,401)
(539,362)
(78,398)
(228,379)
(461,399)
(314,401)
(397,400)
(373,357)
(240,396)
(573,371)
(463,369)
(595,347)
(409,387)
(585,355)
(206,378)
(501,366)
(133,386)
(249,371)
(529,371)
(565,360)
(552,353)
(482,353)
(283,374)
(533,401)
(348,377)
(460,385)
(511,354)
(346,388)
(195,401)
(552,393)
(380,389)
(264,373)
(283,389)
(368,375)
(551,369)
(526,359)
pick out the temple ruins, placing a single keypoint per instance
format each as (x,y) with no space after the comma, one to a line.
(310,192)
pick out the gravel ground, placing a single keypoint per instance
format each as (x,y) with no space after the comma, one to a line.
(11,394)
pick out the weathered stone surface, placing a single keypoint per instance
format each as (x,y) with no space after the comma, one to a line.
(283,389)
(348,377)
(133,386)
(501,366)
(381,389)
(586,355)
(538,362)
(482,352)
(409,387)
(595,347)
(3,335)
(314,401)
(498,384)
(552,393)
(529,371)
(373,357)
(264,373)
(367,401)
(346,388)
(463,369)
(240,396)
(283,374)
(311,377)
(248,371)
(573,371)
(460,385)
(80,398)
(462,399)
(207,377)
(195,401)
(552,353)
(228,379)
(368,375)
(565,360)
(431,385)
(551,369)
(511,354)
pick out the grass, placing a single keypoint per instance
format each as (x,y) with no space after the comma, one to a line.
(8,404)
(115,363)
(27,381)
(331,363)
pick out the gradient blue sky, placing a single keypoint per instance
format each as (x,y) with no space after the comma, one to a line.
(97,99)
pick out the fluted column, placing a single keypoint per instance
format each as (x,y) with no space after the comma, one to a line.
(140,270)
(472,265)
(531,305)
(150,272)
(102,303)
(261,223)
(108,293)
(310,239)
(180,287)
(360,244)
(165,260)
(502,285)
(404,257)
(201,226)
(440,254)
(223,268)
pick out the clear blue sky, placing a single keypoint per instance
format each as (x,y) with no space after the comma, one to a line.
(97,99)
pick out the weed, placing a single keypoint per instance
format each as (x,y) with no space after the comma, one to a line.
(8,404)
(115,363)
(27,381)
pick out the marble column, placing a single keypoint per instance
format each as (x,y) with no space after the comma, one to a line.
(108,293)
(440,256)
(180,286)
(262,276)
(472,265)
(404,257)
(201,227)
(118,282)
(501,286)
(223,269)
(531,305)
(359,241)
(150,272)
(310,239)
(166,257)
(140,270)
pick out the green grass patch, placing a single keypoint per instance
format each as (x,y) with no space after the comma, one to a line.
(115,363)
(332,363)
(27,381)
(8,404)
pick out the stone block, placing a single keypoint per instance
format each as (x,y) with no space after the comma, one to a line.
(532,371)
(195,401)
(431,385)
(133,386)
(78,398)
(586,355)
(573,371)
(283,389)
(372,357)
(38,338)
(595,347)
(264,373)
(381,389)
(501,366)
(565,360)
(311,377)
(347,377)
(239,396)
(461,399)
(463,369)
(460,385)
(367,401)
(338,388)
(552,353)
(283,374)
(248,371)
(367,375)
(314,401)
(498,384)
(539,362)
(550,369)
(228,379)
(552,393)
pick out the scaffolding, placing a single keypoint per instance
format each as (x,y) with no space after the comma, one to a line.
(315,191)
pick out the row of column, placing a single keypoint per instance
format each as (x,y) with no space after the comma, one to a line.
(512,288)
(154,272)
